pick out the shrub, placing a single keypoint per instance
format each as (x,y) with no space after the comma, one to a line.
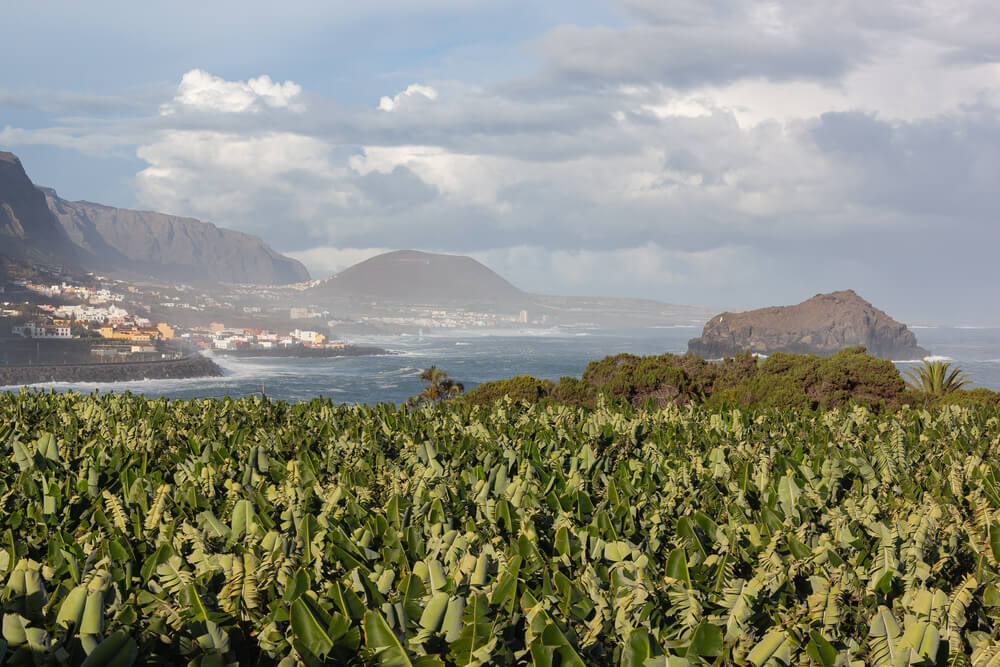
(521,388)
(781,381)
(969,398)
(574,392)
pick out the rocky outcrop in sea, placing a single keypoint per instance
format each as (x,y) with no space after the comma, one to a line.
(822,325)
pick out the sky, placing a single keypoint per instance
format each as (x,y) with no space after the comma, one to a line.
(729,153)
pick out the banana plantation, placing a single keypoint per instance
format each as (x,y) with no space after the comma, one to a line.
(253,532)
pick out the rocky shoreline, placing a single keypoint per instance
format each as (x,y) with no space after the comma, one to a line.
(173,369)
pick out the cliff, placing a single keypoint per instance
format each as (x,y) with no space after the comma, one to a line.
(145,244)
(36,225)
(28,230)
(410,276)
(821,325)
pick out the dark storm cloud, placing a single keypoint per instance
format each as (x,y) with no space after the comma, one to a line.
(941,167)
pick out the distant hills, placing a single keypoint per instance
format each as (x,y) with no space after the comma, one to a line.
(411,276)
(37,226)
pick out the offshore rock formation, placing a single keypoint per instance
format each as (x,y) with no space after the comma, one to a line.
(821,325)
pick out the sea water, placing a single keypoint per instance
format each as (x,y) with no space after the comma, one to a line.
(473,357)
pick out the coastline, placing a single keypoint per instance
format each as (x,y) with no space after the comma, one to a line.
(304,352)
(171,369)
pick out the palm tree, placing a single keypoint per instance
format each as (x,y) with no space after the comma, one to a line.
(933,378)
(439,387)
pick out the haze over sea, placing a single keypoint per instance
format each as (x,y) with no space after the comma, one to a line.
(473,357)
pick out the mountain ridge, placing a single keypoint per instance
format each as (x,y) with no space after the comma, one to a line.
(138,242)
(29,231)
(38,226)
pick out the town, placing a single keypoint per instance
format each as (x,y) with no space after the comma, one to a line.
(115,320)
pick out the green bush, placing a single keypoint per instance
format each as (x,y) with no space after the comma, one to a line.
(521,388)
(969,398)
(573,392)
(781,381)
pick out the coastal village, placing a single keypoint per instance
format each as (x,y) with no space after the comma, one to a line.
(107,315)
(119,321)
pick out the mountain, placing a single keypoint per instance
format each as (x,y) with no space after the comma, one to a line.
(29,231)
(821,325)
(37,226)
(141,244)
(414,277)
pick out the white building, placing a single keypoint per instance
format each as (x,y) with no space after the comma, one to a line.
(306,336)
(31,331)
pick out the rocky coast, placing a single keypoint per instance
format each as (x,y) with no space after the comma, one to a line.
(195,366)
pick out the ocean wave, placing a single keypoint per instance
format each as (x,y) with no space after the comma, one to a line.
(146,386)
(932,358)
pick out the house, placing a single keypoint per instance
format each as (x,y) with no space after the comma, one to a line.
(133,335)
(167,332)
(31,330)
(308,336)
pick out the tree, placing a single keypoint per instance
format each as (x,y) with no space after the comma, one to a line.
(439,387)
(933,378)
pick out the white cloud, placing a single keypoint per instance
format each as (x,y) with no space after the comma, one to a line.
(412,91)
(199,90)
(255,183)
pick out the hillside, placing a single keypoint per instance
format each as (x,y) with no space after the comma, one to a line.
(143,244)
(411,276)
(28,230)
(37,226)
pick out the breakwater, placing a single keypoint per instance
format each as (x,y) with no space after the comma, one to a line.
(172,369)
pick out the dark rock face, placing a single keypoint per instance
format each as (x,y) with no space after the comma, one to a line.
(141,244)
(28,230)
(175,369)
(37,226)
(411,276)
(822,325)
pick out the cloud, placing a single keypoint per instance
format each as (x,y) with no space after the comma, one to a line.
(728,151)
(324,261)
(412,91)
(202,91)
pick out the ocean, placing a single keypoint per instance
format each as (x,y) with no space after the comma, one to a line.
(473,357)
